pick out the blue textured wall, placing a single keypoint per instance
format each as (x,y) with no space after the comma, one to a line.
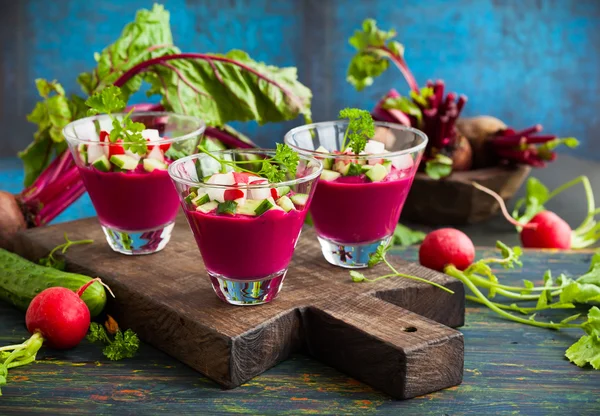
(525,61)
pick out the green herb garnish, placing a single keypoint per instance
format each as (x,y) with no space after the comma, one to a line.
(123,345)
(360,129)
(59,263)
(274,169)
(108,101)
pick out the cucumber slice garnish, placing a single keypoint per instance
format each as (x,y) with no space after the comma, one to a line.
(124,162)
(150,165)
(102,164)
(285,203)
(208,207)
(201,199)
(264,206)
(227,208)
(299,200)
(377,173)
(330,175)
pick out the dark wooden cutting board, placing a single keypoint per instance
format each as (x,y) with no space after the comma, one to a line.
(395,334)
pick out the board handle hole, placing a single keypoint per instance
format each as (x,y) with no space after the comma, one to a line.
(410,329)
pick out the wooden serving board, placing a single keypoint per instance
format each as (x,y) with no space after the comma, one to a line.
(395,334)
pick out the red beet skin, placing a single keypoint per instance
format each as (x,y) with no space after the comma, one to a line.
(446,246)
(551,232)
(60,316)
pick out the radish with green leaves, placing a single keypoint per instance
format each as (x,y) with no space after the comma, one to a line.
(540,228)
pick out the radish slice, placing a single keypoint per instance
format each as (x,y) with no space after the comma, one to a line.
(96,151)
(374,147)
(219,179)
(156,154)
(402,162)
(150,134)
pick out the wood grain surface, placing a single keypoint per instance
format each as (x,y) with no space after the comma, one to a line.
(509,369)
(168,300)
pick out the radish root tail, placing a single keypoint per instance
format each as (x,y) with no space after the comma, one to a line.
(91,282)
(500,201)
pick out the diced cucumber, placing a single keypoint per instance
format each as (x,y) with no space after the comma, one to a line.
(300,200)
(102,164)
(82,149)
(150,165)
(387,164)
(124,162)
(354,169)
(366,168)
(321,149)
(341,167)
(377,173)
(227,208)
(327,163)
(190,197)
(208,207)
(201,199)
(282,190)
(330,175)
(194,189)
(264,206)
(285,203)
(249,208)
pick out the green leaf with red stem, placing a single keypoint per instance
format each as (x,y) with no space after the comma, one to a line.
(375,49)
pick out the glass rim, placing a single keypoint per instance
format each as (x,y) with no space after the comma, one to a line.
(200,130)
(290,182)
(394,126)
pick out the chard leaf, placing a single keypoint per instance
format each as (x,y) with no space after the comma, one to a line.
(149,36)
(536,196)
(585,351)
(404,104)
(439,167)
(231,87)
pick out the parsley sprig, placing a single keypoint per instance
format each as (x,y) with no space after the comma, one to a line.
(123,345)
(109,101)
(274,169)
(360,129)
(380,257)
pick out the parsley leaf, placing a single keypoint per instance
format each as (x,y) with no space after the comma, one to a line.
(288,158)
(123,345)
(379,255)
(360,129)
(108,101)
(404,236)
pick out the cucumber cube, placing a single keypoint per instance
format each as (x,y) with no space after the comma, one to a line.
(208,207)
(124,162)
(190,198)
(377,173)
(82,150)
(201,199)
(283,190)
(330,175)
(102,164)
(387,164)
(300,200)
(366,168)
(341,167)
(249,207)
(327,163)
(285,203)
(150,165)
(264,206)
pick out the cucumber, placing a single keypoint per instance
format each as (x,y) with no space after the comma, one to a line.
(283,190)
(299,200)
(124,162)
(150,165)
(327,163)
(249,208)
(354,169)
(330,175)
(388,165)
(208,207)
(201,199)
(377,173)
(264,206)
(82,150)
(227,208)
(190,197)
(21,280)
(102,164)
(285,203)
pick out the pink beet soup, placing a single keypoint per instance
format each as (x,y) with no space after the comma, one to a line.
(246,248)
(352,209)
(132,201)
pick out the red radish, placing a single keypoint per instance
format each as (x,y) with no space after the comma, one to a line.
(274,193)
(241,177)
(104,136)
(545,230)
(116,148)
(446,246)
(551,231)
(233,194)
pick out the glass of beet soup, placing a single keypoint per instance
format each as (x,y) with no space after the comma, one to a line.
(360,197)
(133,195)
(246,227)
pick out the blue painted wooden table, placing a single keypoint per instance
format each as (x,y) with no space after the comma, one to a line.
(509,368)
